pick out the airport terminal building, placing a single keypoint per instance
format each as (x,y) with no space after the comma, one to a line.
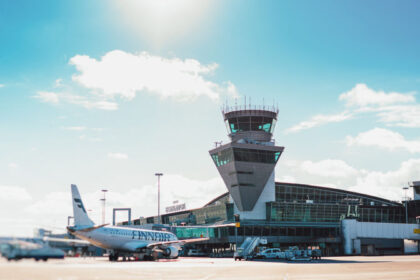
(288,214)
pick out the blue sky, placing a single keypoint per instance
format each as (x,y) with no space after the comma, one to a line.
(106,93)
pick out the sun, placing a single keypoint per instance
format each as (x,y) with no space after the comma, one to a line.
(162,21)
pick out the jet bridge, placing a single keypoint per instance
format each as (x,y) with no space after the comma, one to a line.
(353,231)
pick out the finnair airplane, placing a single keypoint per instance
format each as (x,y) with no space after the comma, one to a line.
(121,241)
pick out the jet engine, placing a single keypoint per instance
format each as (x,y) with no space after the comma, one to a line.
(171,252)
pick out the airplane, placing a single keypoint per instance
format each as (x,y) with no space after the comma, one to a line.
(122,241)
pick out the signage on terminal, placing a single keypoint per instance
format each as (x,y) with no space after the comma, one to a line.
(417,230)
(175,208)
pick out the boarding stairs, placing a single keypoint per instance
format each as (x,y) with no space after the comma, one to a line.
(247,247)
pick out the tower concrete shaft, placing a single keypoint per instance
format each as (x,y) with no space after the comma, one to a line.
(247,162)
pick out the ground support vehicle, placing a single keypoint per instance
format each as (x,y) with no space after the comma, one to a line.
(17,250)
(271,253)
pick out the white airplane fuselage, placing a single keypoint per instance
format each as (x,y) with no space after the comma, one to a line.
(124,239)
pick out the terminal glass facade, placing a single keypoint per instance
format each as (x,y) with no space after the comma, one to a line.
(303,193)
(304,203)
(390,214)
(305,212)
(189,232)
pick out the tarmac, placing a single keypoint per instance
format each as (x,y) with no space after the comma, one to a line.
(354,267)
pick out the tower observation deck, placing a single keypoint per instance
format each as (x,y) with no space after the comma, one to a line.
(247,163)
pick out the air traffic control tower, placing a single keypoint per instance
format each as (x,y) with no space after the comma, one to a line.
(247,163)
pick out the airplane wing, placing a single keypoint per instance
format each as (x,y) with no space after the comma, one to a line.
(66,240)
(180,242)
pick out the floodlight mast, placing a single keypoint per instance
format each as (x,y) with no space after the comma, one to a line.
(406,198)
(159,175)
(103,205)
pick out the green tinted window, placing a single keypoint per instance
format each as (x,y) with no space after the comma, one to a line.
(222,157)
(253,123)
(250,155)
(233,125)
(185,232)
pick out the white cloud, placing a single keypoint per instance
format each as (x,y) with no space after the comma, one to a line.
(339,174)
(361,96)
(19,214)
(194,193)
(123,74)
(85,129)
(388,184)
(13,165)
(328,168)
(286,179)
(383,138)
(93,139)
(48,97)
(391,108)
(117,156)
(89,103)
(93,102)
(58,82)
(102,83)
(13,193)
(403,116)
(1,85)
(74,128)
(320,120)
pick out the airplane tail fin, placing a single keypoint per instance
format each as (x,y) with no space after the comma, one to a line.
(80,215)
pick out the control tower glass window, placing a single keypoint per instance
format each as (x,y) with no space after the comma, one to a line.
(244,124)
(222,157)
(247,155)
(261,156)
(253,123)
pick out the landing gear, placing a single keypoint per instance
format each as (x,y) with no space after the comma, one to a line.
(113,257)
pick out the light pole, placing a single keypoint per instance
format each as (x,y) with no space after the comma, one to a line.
(159,175)
(406,198)
(103,205)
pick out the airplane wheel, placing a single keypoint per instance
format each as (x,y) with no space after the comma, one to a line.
(155,256)
(45,259)
(124,259)
(113,257)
